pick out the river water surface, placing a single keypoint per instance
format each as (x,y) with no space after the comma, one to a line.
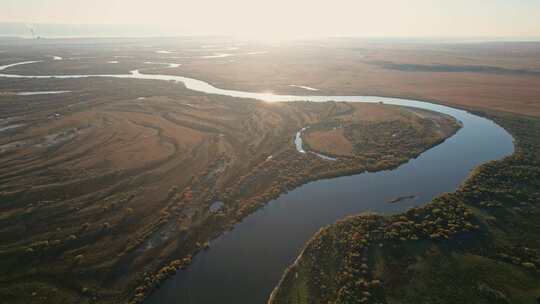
(244,265)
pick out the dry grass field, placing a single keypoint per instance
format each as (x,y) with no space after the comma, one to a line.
(89,190)
(105,190)
(491,75)
(330,142)
(499,75)
(374,129)
(104,185)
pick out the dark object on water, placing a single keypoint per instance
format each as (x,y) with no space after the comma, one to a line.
(401,198)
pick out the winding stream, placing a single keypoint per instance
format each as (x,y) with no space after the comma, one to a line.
(300,148)
(245,264)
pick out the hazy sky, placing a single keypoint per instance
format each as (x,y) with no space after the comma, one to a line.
(292,18)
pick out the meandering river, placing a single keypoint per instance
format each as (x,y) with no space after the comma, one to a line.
(244,265)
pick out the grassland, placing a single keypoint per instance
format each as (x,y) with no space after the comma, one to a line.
(494,75)
(479,244)
(106,189)
(498,76)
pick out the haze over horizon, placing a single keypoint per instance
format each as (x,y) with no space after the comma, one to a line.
(278,19)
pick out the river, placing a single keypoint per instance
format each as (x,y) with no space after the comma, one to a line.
(244,265)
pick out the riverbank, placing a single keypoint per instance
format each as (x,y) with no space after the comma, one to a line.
(489,253)
(299,213)
(297,169)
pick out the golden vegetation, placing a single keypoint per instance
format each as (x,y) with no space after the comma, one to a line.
(118,183)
